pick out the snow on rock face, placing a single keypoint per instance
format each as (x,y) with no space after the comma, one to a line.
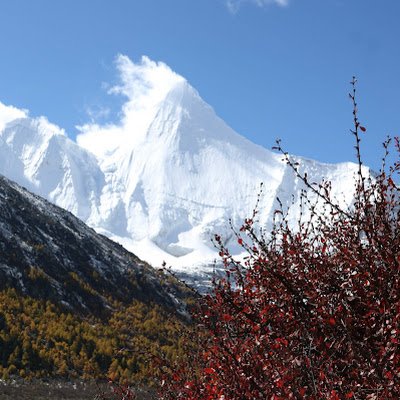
(166,177)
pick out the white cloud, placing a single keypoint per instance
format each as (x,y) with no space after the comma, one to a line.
(9,113)
(234,5)
(144,84)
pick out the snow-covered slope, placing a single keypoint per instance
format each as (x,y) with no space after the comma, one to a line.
(162,180)
(41,157)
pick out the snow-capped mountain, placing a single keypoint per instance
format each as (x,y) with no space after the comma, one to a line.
(163,179)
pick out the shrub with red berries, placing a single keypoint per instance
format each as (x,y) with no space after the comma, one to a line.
(313,312)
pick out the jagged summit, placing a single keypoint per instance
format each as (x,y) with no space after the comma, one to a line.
(39,156)
(164,178)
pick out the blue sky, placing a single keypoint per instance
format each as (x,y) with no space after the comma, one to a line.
(270,68)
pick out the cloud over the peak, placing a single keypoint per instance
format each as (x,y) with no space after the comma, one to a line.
(234,5)
(143,84)
(9,113)
(138,79)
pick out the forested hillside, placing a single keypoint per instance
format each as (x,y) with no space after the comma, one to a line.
(75,304)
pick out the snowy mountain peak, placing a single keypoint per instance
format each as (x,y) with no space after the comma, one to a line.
(165,177)
(26,135)
(39,156)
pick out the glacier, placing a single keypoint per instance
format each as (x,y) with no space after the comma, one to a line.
(163,179)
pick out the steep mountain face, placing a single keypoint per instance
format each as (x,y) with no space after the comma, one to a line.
(47,253)
(166,177)
(39,156)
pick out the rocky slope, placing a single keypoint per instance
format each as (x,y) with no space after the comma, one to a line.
(47,253)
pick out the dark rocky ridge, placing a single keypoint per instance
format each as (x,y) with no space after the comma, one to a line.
(47,253)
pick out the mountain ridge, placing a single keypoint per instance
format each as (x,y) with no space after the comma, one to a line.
(48,253)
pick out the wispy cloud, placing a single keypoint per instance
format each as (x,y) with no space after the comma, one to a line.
(234,5)
(97,112)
